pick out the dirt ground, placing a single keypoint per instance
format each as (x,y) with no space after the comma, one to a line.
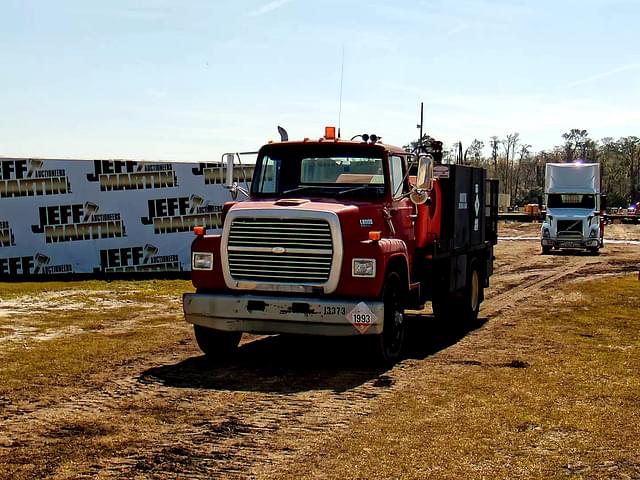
(163,412)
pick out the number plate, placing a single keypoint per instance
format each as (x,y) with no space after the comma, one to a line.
(571,244)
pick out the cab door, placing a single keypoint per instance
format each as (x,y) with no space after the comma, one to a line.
(401,210)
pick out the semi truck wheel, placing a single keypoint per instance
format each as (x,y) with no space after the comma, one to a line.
(546,250)
(216,344)
(390,343)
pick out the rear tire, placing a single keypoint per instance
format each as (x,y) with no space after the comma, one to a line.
(471,296)
(390,343)
(216,344)
(461,307)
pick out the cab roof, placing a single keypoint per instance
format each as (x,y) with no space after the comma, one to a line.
(298,144)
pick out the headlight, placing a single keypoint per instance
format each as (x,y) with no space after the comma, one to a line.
(201,261)
(593,233)
(363,267)
(545,233)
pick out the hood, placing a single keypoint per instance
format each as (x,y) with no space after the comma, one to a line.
(570,213)
(303,204)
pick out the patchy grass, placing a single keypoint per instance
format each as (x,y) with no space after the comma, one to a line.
(66,337)
(134,288)
(555,396)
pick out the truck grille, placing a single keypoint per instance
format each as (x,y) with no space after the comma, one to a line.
(569,228)
(293,251)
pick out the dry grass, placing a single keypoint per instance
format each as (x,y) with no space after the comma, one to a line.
(70,332)
(134,288)
(555,396)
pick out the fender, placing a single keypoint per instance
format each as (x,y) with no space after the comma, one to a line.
(208,279)
(384,251)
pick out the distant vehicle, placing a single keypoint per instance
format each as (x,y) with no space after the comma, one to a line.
(574,218)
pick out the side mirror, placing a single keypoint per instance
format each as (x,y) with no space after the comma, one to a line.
(229,158)
(424,179)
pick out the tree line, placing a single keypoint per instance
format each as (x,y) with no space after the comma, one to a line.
(521,171)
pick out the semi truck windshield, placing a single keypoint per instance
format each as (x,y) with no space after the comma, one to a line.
(571,200)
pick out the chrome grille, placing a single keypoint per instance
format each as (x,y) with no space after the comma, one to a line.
(569,228)
(278,250)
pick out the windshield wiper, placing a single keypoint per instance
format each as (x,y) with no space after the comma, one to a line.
(298,189)
(358,188)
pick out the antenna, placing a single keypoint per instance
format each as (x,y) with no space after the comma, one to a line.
(341,81)
(421,119)
(420,125)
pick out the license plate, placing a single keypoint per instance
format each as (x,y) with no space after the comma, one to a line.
(571,244)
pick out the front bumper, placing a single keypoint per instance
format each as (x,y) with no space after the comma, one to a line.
(574,243)
(276,314)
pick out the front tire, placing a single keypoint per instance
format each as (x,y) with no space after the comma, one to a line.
(216,344)
(390,343)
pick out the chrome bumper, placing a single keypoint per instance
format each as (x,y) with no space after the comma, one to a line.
(590,242)
(276,314)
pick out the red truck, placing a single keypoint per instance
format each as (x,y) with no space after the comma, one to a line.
(339,238)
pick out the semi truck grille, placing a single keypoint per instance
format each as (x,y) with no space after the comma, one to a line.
(570,228)
(292,251)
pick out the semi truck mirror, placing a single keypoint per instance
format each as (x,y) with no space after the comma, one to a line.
(424,179)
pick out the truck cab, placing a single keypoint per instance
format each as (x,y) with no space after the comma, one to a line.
(574,219)
(336,238)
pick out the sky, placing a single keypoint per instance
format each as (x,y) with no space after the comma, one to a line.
(187,80)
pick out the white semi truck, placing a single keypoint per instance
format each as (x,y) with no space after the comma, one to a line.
(574,204)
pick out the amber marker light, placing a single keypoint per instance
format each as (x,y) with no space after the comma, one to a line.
(330,133)
(199,231)
(375,236)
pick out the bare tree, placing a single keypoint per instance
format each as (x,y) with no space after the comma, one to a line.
(510,144)
(575,142)
(473,153)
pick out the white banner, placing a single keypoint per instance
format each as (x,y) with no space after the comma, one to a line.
(104,216)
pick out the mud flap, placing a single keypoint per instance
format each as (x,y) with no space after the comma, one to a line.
(458,276)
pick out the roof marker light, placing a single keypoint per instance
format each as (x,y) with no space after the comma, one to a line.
(199,231)
(330,133)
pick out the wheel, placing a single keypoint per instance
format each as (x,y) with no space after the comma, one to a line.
(594,250)
(469,305)
(390,343)
(463,306)
(546,250)
(216,343)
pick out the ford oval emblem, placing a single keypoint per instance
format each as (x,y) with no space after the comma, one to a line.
(278,250)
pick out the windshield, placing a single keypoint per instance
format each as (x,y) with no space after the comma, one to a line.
(323,172)
(571,200)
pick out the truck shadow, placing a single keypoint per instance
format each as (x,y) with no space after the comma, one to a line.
(571,253)
(290,364)
(427,336)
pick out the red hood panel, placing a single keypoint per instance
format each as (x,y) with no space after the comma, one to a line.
(298,204)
